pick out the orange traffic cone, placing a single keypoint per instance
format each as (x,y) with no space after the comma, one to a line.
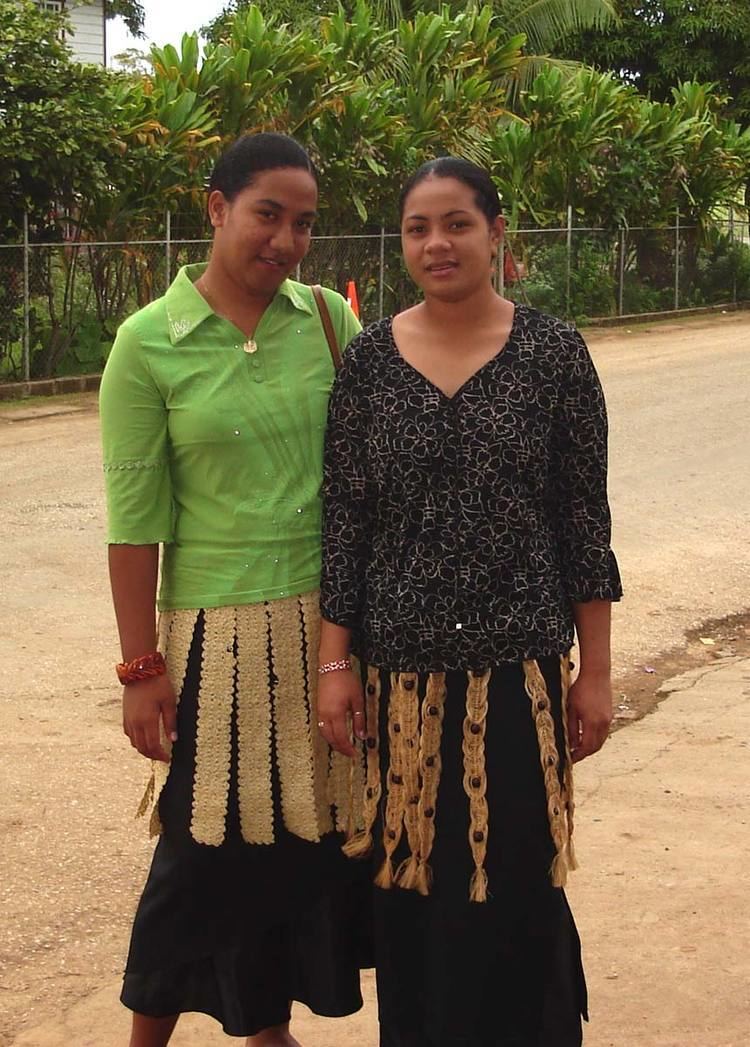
(351,298)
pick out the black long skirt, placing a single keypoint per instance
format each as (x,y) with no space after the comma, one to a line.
(241,930)
(507,972)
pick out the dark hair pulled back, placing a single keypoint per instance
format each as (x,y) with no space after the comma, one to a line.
(476,178)
(253,154)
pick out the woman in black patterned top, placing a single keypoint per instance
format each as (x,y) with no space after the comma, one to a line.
(467,533)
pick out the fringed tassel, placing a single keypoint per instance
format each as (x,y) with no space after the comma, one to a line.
(536,689)
(430,766)
(147,798)
(559,870)
(424,878)
(475,778)
(360,845)
(478,885)
(396,802)
(384,878)
(568,793)
(406,874)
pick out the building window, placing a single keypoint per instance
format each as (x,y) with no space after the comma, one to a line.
(53,6)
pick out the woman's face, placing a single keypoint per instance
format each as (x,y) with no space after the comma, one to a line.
(449,244)
(262,235)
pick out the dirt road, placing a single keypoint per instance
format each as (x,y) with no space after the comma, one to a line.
(71,858)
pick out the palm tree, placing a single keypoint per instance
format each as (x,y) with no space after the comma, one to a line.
(544,23)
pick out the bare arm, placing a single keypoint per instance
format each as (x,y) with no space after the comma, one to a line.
(133,571)
(339,692)
(590,701)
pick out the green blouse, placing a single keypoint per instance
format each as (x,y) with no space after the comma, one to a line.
(217,452)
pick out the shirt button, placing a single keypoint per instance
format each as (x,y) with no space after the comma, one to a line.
(256,363)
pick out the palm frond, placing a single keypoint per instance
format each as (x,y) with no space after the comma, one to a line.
(527,71)
(388,12)
(547,22)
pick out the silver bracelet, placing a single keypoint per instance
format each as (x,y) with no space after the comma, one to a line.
(332,667)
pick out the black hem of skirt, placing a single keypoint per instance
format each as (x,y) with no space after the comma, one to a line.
(129,999)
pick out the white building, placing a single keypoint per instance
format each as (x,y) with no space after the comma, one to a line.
(88,39)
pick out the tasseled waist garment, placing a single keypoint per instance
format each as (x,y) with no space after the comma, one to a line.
(263,657)
(413,726)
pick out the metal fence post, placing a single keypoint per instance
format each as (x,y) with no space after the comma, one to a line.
(381,278)
(677,259)
(26,302)
(621,288)
(168,245)
(731,241)
(568,261)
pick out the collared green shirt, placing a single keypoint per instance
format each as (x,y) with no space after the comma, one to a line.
(216,452)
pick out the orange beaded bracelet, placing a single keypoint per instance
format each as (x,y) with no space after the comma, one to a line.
(143,668)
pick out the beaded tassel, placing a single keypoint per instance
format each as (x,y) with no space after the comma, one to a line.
(568,795)
(475,778)
(361,843)
(536,689)
(406,874)
(396,802)
(430,766)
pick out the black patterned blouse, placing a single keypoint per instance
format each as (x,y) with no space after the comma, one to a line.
(458,530)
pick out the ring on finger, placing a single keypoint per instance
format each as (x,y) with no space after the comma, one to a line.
(322,723)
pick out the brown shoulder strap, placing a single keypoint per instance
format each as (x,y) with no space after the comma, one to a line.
(325,319)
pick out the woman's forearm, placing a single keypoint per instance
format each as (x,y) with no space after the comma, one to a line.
(593,626)
(335,642)
(133,572)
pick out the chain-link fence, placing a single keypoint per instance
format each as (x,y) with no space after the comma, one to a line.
(592,273)
(61,304)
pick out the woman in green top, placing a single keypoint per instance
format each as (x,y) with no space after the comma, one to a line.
(213,407)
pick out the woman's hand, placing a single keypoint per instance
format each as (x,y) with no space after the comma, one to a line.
(589,713)
(143,705)
(340,694)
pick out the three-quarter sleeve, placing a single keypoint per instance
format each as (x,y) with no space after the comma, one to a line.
(578,482)
(134,440)
(347,509)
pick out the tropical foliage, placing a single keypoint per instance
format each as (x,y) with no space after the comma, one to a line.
(655,44)
(94,155)
(131,12)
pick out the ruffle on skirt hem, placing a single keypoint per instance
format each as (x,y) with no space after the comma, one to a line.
(248,988)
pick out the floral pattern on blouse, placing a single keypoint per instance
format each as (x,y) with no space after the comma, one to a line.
(460,530)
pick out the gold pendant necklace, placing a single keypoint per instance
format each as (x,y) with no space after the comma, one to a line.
(250,346)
